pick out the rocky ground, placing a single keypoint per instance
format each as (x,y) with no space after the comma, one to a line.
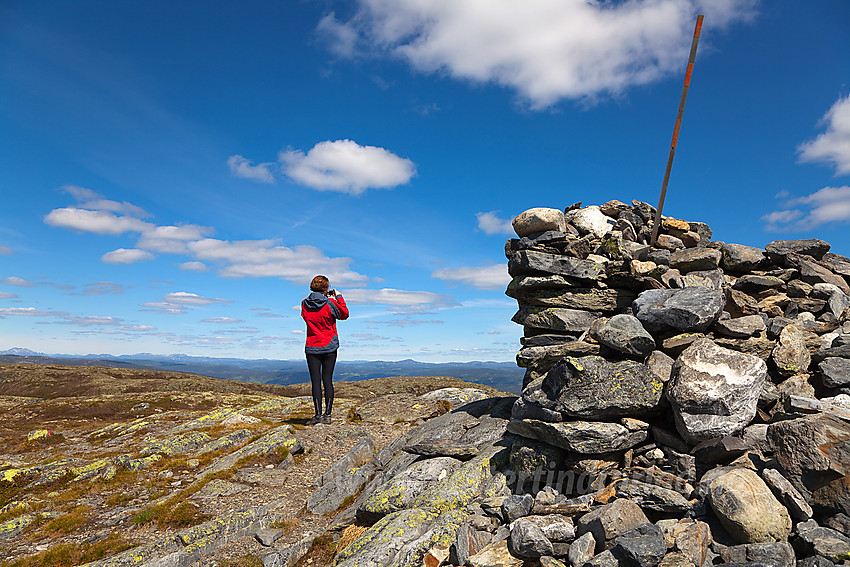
(104,460)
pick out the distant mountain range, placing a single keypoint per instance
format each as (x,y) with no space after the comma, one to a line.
(504,376)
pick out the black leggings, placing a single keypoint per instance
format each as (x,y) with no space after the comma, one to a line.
(321,367)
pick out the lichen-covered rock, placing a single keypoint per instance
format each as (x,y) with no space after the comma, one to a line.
(465,484)
(714,391)
(225,442)
(685,310)
(176,444)
(401,491)
(495,554)
(747,508)
(381,544)
(555,318)
(593,388)
(791,355)
(278,438)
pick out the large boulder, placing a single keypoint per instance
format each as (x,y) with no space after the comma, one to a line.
(781,249)
(738,259)
(590,387)
(585,437)
(814,452)
(555,318)
(747,508)
(714,391)
(692,309)
(695,259)
(539,219)
(611,520)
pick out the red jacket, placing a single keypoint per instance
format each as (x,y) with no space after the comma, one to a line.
(321,312)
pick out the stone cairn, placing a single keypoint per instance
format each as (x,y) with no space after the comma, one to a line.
(684,405)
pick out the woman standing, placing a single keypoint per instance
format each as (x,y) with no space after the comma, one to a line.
(320,311)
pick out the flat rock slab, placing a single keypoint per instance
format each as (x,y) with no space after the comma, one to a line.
(262,476)
(624,333)
(555,318)
(694,259)
(532,262)
(741,327)
(692,309)
(780,249)
(586,437)
(737,258)
(835,372)
(443,448)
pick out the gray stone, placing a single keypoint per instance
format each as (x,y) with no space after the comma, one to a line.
(747,508)
(527,540)
(401,491)
(668,242)
(582,550)
(837,263)
(591,387)
(443,448)
(814,452)
(753,283)
(835,372)
(714,391)
(613,208)
(539,220)
(496,554)
(555,318)
(652,497)
(660,364)
(719,449)
(659,256)
(542,358)
(791,355)
(267,536)
(610,520)
(590,220)
(589,299)
(739,259)
(526,410)
(780,249)
(814,273)
(685,310)
(584,437)
(517,506)
(778,554)
(788,495)
(644,545)
(693,259)
(840,522)
(530,262)
(818,540)
(532,460)
(556,527)
(815,561)
(523,284)
(625,334)
(741,327)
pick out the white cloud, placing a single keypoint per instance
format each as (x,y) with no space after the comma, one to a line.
(137,328)
(31,312)
(834,144)
(483,277)
(221,320)
(102,288)
(4,250)
(172,239)
(340,38)
(490,223)
(93,321)
(194,267)
(265,258)
(7,295)
(407,322)
(99,222)
(17,282)
(164,307)
(91,200)
(400,300)
(347,167)
(830,204)
(244,168)
(193,299)
(545,50)
(126,256)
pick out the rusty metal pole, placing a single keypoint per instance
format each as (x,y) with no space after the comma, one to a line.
(656,223)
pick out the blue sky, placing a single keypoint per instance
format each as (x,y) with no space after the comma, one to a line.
(174,173)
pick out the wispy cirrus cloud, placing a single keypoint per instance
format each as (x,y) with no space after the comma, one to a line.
(7,295)
(827,205)
(222,320)
(833,145)
(17,282)
(5,250)
(31,312)
(102,288)
(479,277)
(545,51)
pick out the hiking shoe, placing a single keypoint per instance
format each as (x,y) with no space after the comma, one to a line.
(326,419)
(314,420)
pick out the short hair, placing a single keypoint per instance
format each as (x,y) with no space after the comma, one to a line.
(320,283)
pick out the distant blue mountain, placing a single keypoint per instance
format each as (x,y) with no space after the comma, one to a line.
(504,376)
